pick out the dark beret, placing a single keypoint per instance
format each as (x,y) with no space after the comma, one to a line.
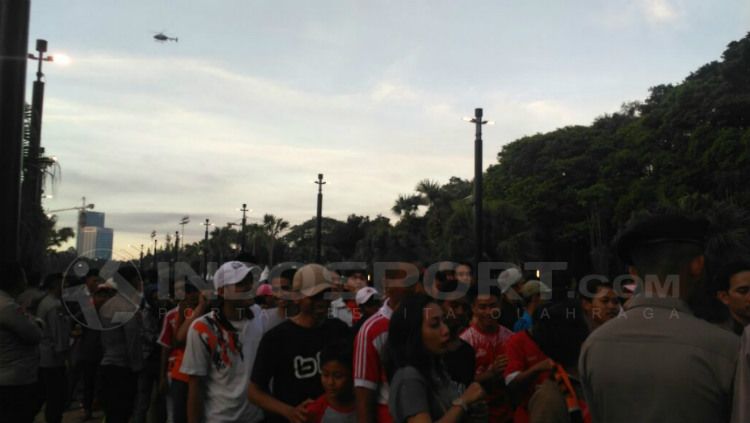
(659,229)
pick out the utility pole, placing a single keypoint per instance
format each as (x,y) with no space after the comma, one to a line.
(184,221)
(244,211)
(14,38)
(319,221)
(153,236)
(478,214)
(140,259)
(205,249)
(32,185)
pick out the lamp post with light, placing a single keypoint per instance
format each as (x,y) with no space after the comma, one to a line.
(319,220)
(478,213)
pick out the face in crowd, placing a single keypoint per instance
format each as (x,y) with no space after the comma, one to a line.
(336,378)
(486,311)
(435,333)
(603,306)
(737,297)
(238,296)
(463,274)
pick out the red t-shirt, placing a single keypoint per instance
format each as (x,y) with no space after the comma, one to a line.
(166,338)
(523,353)
(488,346)
(322,411)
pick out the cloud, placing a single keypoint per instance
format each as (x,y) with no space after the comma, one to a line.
(659,11)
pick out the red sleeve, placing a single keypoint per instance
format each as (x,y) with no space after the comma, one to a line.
(317,409)
(514,350)
(367,372)
(167,330)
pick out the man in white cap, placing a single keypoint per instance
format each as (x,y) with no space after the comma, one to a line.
(286,374)
(368,304)
(220,351)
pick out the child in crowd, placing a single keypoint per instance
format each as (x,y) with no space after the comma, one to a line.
(336,405)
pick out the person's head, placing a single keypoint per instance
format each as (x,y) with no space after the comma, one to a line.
(12,278)
(336,370)
(457,314)
(355,280)
(510,282)
(559,331)
(417,335)
(233,282)
(368,302)
(732,284)
(464,273)
(485,307)
(658,247)
(534,293)
(53,284)
(92,279)
(311,284)
(599,301)
(192,295)
(264,296)
(399,283)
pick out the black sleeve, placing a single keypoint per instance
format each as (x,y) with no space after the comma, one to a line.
(265,361)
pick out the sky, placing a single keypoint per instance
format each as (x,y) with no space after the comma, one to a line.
(258,97)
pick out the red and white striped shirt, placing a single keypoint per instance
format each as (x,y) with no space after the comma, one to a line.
(368,358)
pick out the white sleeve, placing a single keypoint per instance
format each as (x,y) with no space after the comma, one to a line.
(197,355)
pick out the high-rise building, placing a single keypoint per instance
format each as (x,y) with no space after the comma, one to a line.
(94,240)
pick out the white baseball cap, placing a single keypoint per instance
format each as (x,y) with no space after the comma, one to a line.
(364,295)
(508,278)
(231,273)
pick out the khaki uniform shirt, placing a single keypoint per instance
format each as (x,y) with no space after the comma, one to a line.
(656,362)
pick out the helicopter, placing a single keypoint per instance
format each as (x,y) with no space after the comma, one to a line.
(161,37)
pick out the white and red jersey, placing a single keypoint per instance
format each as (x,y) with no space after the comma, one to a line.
(369,351)
(487,345)
(166,339)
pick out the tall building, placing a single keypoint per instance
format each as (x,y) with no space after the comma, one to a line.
(94,240)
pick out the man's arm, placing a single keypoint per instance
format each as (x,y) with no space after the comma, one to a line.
(186,318)
(528,376)
(365,400)
(15,320)
(257,396)
(194,400)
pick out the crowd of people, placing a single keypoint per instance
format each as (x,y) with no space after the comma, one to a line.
(313,344)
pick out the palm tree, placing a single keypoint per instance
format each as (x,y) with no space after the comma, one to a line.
(429,190)
(407,205)
(272,227)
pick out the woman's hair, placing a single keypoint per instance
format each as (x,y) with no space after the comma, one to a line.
(405,346)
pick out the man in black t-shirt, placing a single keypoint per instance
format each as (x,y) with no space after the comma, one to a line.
(286,373)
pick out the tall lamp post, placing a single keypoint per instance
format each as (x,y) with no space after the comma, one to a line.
(153,236)
(319,221)
(32,188)
(478,214)
(184,221)
(14,36)
(207,223)
(244,211)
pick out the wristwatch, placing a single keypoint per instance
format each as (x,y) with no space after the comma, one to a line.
(459,402)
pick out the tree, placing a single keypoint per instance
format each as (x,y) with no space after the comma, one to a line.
(273,227)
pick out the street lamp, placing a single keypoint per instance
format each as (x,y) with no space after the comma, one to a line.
(319,221)
(207,223)
(244,211)
(478,229)
(184,221)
